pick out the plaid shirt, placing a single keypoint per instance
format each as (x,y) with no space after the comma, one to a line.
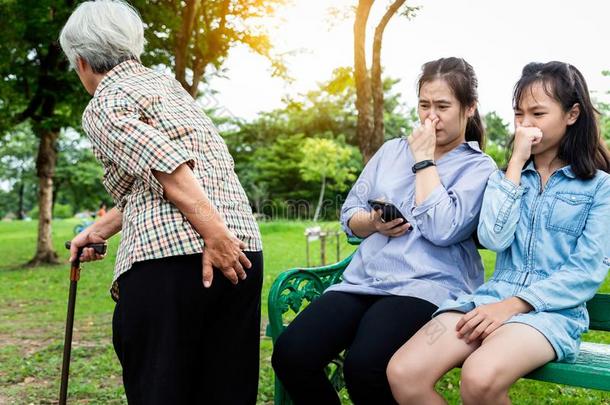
(139,120)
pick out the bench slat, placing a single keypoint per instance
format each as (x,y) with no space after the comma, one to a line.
(591,370)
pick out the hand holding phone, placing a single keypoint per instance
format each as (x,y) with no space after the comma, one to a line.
(388,219)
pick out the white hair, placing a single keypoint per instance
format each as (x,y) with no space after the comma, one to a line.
(104,33)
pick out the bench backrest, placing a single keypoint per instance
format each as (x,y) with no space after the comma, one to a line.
(599,312)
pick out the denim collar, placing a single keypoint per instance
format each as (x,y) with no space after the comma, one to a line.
(566,170)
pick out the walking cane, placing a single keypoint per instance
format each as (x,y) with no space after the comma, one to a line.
(74,276)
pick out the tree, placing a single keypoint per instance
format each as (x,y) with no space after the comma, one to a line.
(192,36)
(78,175)
(267,149)
(17,167)
(37,87)
(498,137)
(369,87)
(326,160)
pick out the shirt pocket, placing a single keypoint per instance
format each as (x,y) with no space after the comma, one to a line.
(568,212)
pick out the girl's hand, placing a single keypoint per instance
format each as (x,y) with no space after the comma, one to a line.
(483,320)
(422,141)
(525,138)
(392,229)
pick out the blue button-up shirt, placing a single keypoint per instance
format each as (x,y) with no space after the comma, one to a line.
(554,241)
(437,259)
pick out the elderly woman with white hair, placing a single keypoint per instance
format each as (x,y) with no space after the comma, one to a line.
(185,220)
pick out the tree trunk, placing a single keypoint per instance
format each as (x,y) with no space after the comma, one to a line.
(320,200)
(56,186)
(21,211)
(376,82)
(365,124)
(45,167)
(189,12)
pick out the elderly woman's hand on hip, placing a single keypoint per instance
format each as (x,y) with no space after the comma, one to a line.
(224,251)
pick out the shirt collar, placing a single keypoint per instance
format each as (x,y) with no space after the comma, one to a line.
(566,170)
(126,68)
(474,145)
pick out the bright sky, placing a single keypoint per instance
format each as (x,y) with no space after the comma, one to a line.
(497,37)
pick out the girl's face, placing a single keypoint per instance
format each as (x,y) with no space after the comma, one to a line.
(537,109)
(436,100)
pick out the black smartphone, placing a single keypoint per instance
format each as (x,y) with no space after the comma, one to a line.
(389,212)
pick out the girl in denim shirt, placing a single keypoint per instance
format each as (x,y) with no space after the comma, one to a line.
(547,218)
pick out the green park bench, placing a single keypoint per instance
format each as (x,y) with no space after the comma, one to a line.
(294,289)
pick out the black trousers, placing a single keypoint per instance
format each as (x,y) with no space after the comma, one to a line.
(180,343)
(371,328)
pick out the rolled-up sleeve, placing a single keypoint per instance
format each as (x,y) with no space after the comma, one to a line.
(450,215)
(499,213)
(361,192)
(586,267)
(114,125)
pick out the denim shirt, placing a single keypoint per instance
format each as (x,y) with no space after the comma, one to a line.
(437,259)
(553,241)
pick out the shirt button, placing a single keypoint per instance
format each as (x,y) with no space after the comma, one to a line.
(419,222)
(573,198)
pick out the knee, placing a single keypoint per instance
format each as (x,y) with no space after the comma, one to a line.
(480,383)
(406,379)
(357,370)
(284,360)
(364,372)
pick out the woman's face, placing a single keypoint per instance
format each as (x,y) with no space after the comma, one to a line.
(537,109)
(436,100)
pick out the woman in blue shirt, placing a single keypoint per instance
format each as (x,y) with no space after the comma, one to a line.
(547,218)
(401,272)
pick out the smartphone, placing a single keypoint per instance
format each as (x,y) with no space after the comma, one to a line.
(389,212)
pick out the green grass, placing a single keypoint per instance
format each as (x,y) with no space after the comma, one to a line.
(33,310)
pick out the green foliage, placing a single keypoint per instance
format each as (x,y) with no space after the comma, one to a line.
(217,27)
(498,137)
(268,150)
(78,177)
(77,180)
(17,170)
(35,80)
(62,211)
(324,160)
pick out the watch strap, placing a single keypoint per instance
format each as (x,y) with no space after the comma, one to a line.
(422,165)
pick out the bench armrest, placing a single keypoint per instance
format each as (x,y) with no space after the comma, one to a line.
(296,287)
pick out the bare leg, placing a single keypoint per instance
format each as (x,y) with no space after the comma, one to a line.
(425,358)
(509,353)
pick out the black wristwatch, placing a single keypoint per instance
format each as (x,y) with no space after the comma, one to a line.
(422,165)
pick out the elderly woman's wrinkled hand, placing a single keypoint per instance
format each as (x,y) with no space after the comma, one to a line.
(224,252)
(83,239)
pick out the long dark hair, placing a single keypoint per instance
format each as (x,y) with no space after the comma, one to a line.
(581,147)
(461,79)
